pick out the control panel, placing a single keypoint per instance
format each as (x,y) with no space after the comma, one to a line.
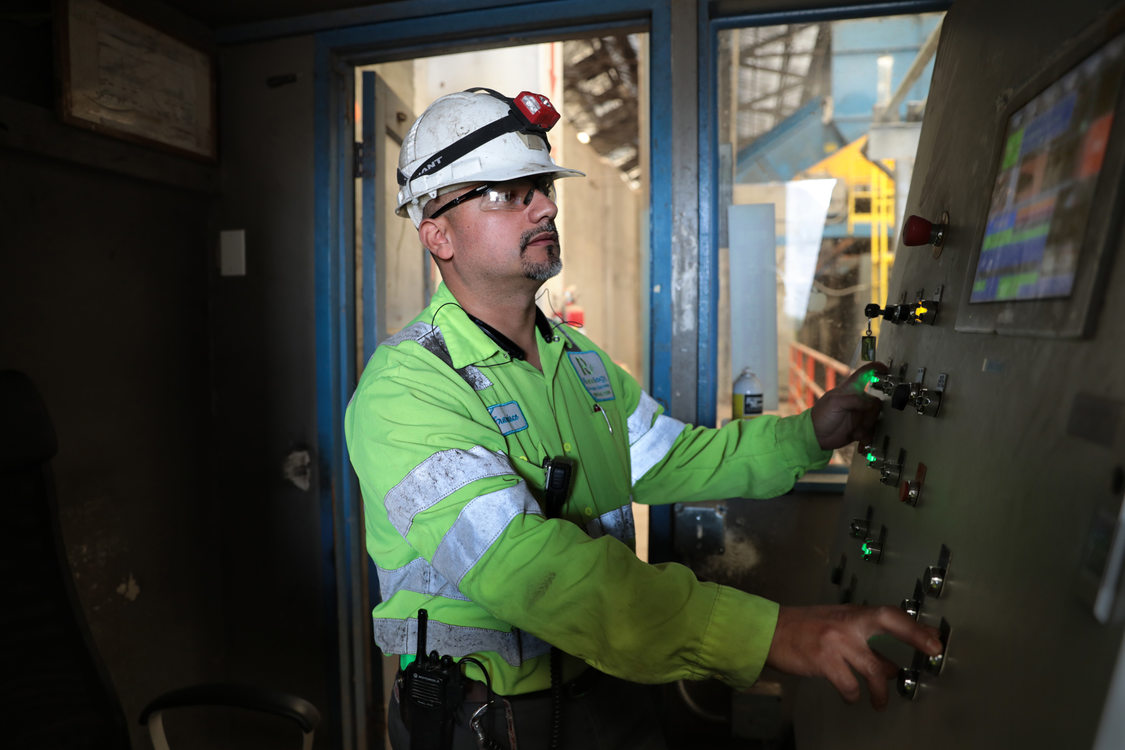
(990,501)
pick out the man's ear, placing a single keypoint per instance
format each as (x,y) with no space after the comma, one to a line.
(435,238)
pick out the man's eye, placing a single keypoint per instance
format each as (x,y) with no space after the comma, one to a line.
(501,196)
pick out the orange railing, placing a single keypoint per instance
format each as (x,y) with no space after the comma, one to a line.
(811,373)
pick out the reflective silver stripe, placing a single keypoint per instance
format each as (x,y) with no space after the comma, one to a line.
(617,523)
(432,339)
(414,332)
(640,421)
(654,445)
(438,477)
(418,576)
(481,520)
(401,637)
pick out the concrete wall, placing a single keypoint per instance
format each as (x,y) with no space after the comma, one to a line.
(599,226)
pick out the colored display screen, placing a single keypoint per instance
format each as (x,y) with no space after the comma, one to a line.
(1045,186)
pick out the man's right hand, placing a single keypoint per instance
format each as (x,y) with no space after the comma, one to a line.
(831,641)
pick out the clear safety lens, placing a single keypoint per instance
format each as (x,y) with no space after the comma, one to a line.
(516,195)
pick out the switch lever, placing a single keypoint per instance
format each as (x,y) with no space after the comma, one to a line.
(910,678)
(937,575)
(912,605)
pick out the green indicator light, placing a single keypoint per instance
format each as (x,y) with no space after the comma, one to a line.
(865,549)
(871,458)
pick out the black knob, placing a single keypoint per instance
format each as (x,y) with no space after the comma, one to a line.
(899,314)
(872,311)
(900,396)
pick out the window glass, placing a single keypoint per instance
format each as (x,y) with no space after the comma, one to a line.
(817,126)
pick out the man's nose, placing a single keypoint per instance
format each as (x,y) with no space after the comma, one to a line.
(542,207)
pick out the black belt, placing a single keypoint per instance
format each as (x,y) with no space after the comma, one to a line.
(477,692)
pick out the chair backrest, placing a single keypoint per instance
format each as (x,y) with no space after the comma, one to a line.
(54,690)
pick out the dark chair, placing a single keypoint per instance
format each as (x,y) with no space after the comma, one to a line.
(54,690)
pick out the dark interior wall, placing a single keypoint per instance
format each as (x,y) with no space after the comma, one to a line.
(176,393)
(280,604)
(103,303)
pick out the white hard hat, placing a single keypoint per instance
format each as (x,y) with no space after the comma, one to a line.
(474,136)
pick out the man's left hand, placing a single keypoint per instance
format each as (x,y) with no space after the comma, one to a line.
(846,413)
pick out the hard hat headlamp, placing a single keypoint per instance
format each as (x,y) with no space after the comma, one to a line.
(537,110)
(529,113)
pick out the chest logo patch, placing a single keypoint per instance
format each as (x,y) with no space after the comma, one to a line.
(591,371)
(508,417)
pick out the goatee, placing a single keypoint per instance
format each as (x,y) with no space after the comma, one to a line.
(541,270)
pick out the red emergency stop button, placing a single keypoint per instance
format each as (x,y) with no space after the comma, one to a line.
(918,231)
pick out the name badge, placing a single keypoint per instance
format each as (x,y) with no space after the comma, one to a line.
(508,417)
(591,371)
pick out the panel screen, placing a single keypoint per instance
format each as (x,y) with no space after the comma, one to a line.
(1054,149)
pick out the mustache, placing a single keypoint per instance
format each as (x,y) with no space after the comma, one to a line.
(547,227)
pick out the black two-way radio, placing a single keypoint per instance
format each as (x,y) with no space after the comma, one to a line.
(557,480)
(432,691)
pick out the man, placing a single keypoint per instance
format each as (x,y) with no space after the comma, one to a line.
(460,418)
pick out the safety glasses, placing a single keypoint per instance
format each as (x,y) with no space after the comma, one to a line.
(513,195)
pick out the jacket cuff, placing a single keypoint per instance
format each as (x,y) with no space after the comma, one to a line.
(797,439)
(739,636)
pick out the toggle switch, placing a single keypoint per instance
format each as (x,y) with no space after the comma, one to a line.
(934,664)
(885,384)
(912,605)
(902,395)
(860,527)
(911,490)
(935,580)
(937,575)
(873,457)
(923,310)
(872,547)
(908,680)
(890,473)
(907,312)
(924,401)
(918,231)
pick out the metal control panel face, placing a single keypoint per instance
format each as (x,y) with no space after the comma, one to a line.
(991,502)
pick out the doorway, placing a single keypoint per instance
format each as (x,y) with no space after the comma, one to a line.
(599,84)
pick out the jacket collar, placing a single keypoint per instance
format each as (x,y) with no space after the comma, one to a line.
(472,341)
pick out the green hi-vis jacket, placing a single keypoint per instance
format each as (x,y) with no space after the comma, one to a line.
(448,435)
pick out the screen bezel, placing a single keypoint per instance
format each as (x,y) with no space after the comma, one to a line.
(1073,316)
